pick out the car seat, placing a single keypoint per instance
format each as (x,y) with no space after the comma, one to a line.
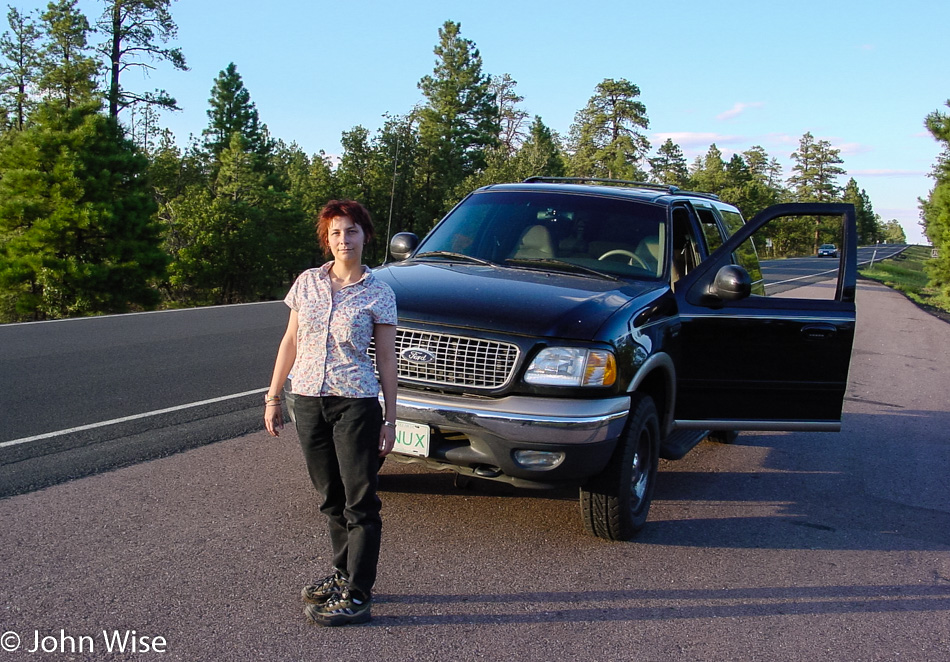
(535,242)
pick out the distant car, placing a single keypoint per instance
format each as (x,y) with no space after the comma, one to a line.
(827,250)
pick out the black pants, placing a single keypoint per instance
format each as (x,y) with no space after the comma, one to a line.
(340,441)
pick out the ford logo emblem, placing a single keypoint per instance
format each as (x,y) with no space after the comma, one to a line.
(417,355)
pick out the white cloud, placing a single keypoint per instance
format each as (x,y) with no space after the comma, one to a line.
(738,109)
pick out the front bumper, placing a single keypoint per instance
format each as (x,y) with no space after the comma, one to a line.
(479,436)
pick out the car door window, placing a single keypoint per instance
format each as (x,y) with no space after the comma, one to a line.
(685,241)
(782,257)
(711,232)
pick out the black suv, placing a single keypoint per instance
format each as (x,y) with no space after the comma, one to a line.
(572,332)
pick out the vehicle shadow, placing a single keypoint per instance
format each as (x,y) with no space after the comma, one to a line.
(647,605)
(879,485)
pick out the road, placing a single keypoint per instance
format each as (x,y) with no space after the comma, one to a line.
(785,275)
(88,373)
(782,546)
(88,395)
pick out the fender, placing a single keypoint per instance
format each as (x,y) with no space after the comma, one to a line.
(660,364)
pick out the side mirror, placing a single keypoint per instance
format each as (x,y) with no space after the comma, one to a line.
(402,245)
(731,284)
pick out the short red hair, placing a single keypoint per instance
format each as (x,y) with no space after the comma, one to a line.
(337,208)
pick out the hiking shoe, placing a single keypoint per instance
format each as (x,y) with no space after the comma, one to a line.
(321,591)
(342,609)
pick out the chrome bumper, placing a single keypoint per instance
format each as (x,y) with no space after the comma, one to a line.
(519,420)
(479,437)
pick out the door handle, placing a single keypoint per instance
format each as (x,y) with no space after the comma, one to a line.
(819,331)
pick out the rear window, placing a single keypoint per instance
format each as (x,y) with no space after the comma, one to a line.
(732,219)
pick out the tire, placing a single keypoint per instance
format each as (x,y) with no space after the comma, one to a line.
(615,503)
(722,436)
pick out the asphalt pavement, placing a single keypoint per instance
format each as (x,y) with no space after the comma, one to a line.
(86,395)
(781,546)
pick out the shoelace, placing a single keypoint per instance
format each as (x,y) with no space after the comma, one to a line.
(338,603)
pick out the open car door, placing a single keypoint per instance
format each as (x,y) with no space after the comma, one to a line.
(767,327)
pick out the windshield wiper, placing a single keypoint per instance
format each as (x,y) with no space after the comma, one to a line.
(560,265)
(457,256)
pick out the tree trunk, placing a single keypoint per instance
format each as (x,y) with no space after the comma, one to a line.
(114,57)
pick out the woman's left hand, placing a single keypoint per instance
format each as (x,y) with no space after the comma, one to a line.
(387,438)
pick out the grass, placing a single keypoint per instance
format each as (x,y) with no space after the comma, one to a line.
(905,273)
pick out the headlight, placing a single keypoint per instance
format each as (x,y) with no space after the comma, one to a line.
(572,366)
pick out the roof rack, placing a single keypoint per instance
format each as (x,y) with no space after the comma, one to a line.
(668,188)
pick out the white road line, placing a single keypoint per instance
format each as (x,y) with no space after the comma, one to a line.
(134,417)
(792,280)
(817,273)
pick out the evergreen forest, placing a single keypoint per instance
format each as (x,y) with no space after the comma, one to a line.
(104,211)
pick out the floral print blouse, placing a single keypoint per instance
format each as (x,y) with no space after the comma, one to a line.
(334,332)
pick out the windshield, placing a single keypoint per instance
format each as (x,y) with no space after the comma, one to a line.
(527,229)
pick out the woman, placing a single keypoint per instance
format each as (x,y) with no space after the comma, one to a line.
(336,310)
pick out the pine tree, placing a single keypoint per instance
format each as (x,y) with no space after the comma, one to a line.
(75,218)
(709,172)
(541,153)
(459,122)
(135,30)
(744,189)
(67,72)
(394,159)
(935,210)
(353,172)
(232,111)
(894,233)
(816,171)
(669,165)
(238,239)
(605,137)
(511,117)
(737,172)
(815,178)
(18,75)
(869,230)
(309,181)
(764,169)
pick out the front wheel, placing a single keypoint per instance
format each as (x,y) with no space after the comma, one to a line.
(615,503)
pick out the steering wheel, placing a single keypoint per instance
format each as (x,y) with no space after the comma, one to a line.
(634,258)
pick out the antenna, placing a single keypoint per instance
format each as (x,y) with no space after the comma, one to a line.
(392,198)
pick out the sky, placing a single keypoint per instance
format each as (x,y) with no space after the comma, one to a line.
(862,75)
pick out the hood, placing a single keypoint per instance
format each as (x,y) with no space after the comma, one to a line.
(518,301)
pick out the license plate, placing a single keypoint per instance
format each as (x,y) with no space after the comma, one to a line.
(412,439)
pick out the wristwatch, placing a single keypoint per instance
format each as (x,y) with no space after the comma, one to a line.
(388,424)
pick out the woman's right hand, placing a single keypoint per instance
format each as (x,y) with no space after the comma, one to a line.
(273,419)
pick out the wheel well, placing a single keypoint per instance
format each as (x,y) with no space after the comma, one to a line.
(658,385)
